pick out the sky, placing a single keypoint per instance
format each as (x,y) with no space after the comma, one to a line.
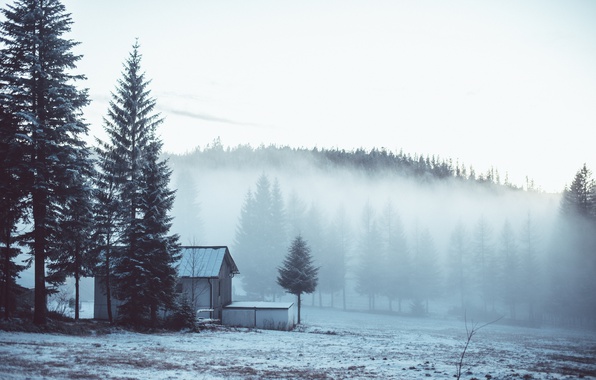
(507,84)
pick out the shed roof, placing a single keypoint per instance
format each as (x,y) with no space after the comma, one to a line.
(198,261)
(259,305)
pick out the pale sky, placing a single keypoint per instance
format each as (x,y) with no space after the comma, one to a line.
(509,84)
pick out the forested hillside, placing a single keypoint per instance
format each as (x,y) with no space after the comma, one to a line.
(390,231)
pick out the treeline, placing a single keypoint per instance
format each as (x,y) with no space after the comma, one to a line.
(79,210)
(519,267)
(373,162)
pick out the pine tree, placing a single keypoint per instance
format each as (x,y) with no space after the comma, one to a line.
(131,164)
(13,203)
(368,275)
(425,271)
(314,232)
(395,264)
(260,237)
(43,98)
(574,263)
(459,263)
(579,199)
(483,254)
(188,223)
(298,274)
(108,218)
(509,269)
(160,248)
(529,267)
(337,246)
(71,249)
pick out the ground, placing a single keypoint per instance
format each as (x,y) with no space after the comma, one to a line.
(330,344)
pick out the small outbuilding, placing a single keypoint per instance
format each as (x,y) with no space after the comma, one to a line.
(261,315)
(204,279)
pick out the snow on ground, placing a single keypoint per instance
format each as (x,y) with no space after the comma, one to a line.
(330,344)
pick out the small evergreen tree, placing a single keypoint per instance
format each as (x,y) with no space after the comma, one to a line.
(298,275)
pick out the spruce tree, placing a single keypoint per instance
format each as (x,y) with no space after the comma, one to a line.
(13,203)
(395,261)
(459,265)
(260,237)
(574,262)
(508,268)
(107,218)
(37,82)
(131,163)
(369,281)
(71,251)
(160,248)
(298,274)
(425,271)
(482,250)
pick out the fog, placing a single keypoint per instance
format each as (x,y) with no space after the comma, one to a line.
(508,237)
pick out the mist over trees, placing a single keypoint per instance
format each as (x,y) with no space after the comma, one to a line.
(400,240)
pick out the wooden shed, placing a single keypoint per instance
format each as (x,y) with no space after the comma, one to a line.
(261,315)
(204,278)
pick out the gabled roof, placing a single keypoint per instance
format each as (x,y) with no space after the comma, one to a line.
(204,262)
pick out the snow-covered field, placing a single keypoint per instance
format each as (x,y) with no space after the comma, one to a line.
(330,344)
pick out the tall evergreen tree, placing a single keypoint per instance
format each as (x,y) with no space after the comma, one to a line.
(579,199)
(395,264)
(337,247)
(260,236)
(37,82)
(509,269)
(107,218)
(425,271)
(13,202)
(573,272)
(368,275)
(70,254)
(298,274)
(160,248)
(482,249)
(530,271)
(131,161)
(314,232)
(188,223)
(459,265)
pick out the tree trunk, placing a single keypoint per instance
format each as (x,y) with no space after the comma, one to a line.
(77,294)
(39,246)
(7,278)
(108,288)
(298,307)
(77,276)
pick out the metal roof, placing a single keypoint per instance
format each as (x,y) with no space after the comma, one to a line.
(259,305)
(204,261)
